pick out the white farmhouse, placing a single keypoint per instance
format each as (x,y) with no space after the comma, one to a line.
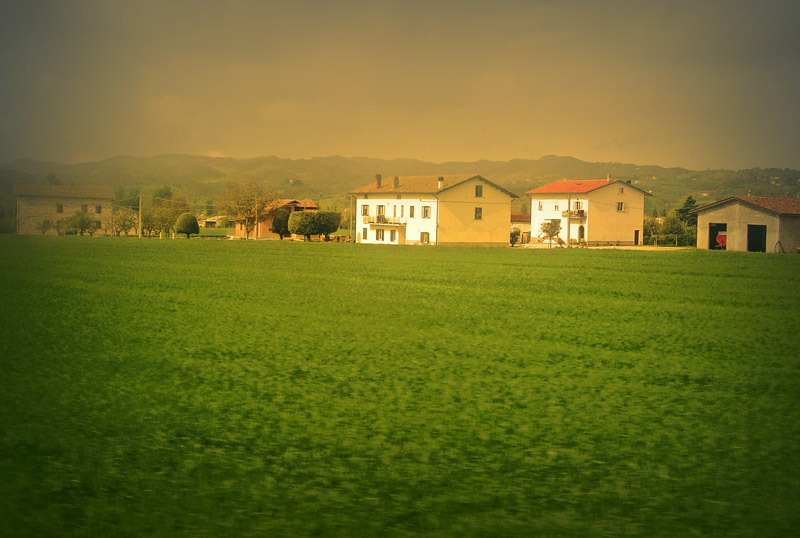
(590,211)
(437,210)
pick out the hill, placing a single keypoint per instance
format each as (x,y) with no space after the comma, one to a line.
(328,179)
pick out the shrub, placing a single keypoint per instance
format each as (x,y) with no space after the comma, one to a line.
(187,224)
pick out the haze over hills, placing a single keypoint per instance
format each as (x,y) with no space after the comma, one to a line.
(328,179)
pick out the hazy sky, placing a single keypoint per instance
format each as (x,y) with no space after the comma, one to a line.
(701,84)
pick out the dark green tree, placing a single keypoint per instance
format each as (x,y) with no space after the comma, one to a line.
(81,222)
(685,212)
(328,222)
(44,226)
(187,224)
(280,222)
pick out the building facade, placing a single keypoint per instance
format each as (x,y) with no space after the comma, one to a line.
(750,224)
(432,210)
(36,204)
(590,212)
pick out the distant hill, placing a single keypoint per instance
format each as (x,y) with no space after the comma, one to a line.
(328,179)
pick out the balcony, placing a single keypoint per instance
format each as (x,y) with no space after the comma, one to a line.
(385,221)
(575,214)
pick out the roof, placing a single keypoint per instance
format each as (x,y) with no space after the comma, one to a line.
(781,206)
(570,186)
(283,202)
(424,185)
(520,217)
(63,191)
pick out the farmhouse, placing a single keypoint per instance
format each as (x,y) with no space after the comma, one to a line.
(590,211)
(433,210)
(750,223)
(54,203)
(262,229)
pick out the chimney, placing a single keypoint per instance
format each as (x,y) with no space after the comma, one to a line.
(608,178)
(396,182)
(748,193)
(440,182)
(377,181)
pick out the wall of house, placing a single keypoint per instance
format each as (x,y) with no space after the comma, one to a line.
(457,223)
(32,210)
(553,209)
(789,233)
(605,224)
(396,208)
(737,216)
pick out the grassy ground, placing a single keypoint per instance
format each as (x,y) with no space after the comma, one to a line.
(216,388)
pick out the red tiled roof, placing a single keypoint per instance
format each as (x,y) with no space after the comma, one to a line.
(569,186)
(781,206)
(520,217)
(305,204)
(63,191)
(423,185)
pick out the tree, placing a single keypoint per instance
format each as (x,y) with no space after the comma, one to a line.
(81,223)
(245,202)
(165,210)
(551,229)
(685,212)
(328,222)
(125,221)
(187,224)
(672,225)
(304,223)
(44,226)
(280,222)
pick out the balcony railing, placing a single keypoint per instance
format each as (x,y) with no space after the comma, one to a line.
(574,214)
(383,219)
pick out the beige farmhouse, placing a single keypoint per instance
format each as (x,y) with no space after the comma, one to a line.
(54,203)
(590,211)
(432,210)
(750,224)
(263,230)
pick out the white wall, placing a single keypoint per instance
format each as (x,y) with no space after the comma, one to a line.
(414,226)
(549,212)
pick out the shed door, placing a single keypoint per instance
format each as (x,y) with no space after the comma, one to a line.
(756,238)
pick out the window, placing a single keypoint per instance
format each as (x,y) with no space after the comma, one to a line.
(622,190)
(394,210)
(577,206)
(364,234)
(541,205)
(424,238)
(392,235)
(478,213)
(555,207)
(622,206)
(85,208)
(381,210)
(411,211)
(59,208)
(402,208)
(426,212)
(478,191)
(379,235)
(365,210)
(98,209)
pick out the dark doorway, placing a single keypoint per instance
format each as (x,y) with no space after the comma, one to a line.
(756,238)
(717,235)
(636,237)
(581,233)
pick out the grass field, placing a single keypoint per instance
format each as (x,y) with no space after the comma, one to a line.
(267,388)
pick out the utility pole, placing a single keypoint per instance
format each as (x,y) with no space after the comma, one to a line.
(140,215)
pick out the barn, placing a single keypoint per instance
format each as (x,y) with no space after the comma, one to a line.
(750,224)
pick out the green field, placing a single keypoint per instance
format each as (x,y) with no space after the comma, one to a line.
(267,388)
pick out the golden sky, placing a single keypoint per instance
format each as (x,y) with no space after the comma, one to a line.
(700,84)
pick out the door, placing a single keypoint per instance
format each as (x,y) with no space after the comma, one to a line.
(636,237)
(756,238)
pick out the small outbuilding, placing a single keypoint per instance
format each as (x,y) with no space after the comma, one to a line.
(750,224)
